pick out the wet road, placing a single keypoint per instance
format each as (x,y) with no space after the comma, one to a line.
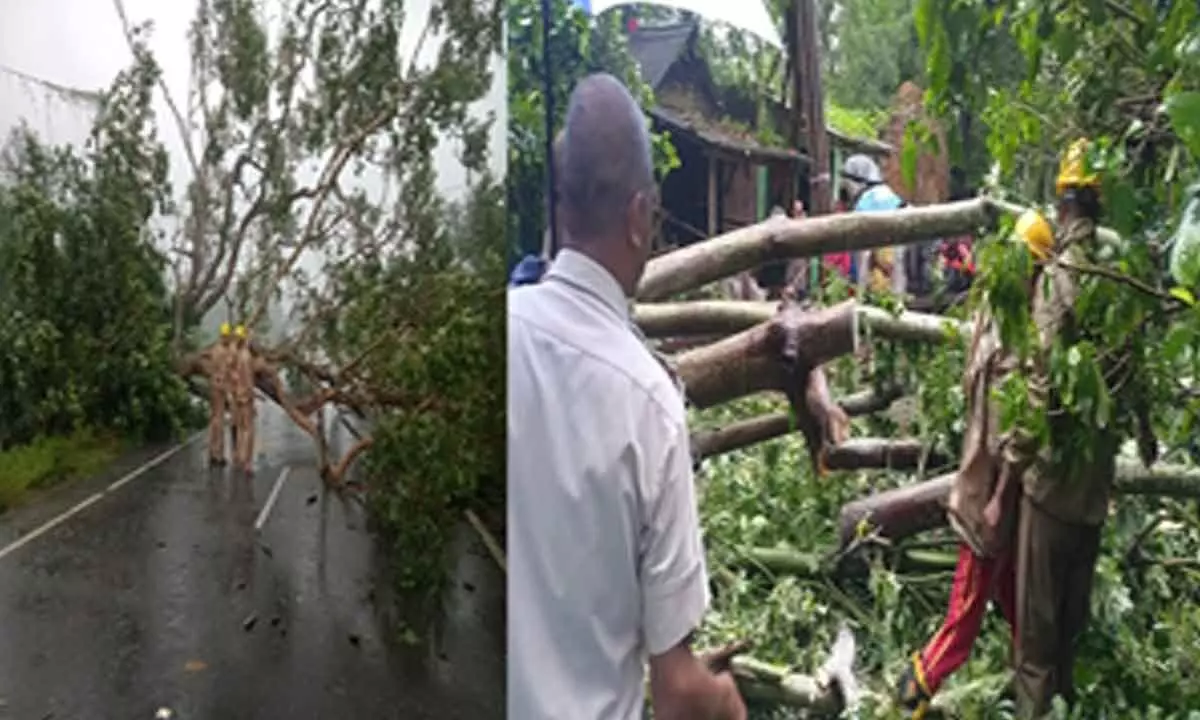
(161,594)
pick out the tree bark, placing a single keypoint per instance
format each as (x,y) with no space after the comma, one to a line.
(782,238)
(725,317)
(750,361)
(743,433)
(882,453)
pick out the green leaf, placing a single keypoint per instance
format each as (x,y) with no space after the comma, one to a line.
(1183,295)
(1183,108)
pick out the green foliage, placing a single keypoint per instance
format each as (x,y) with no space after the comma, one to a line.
(876,52)
(440,449)
(853,121)
(48,460)
(85,318)
(579,46)
(1136,660)
(1120,362)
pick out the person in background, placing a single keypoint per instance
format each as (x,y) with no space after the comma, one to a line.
(242,390)
(531,268)
(957,253)
(218,399)
(863,190)
(982,508)
(607,566)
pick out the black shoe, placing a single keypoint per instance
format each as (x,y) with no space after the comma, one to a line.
(912,694)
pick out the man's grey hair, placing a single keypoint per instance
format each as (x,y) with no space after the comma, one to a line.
(606,157)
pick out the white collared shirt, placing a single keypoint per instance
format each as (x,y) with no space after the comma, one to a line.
(606,563)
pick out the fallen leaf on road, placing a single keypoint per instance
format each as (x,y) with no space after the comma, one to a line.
(195,665)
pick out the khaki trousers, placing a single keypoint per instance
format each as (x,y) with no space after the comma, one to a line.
(216,427)
(1056,563)
(243,414)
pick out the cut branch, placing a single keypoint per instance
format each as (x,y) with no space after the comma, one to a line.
(905,511)
(717,441)
(883,454)
(782,238)
(724,317)
(749,362)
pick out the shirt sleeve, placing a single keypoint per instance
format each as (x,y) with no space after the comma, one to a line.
(673,575)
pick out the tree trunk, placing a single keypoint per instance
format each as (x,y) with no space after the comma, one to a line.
(905,511)
(749,361)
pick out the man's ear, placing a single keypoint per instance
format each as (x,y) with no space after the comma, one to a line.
(638,220)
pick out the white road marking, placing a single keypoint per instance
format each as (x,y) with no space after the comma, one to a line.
(93,499)
(270,503)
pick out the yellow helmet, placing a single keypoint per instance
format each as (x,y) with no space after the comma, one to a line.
(225,330)
(240,332)
(1035,232)
(1072,171)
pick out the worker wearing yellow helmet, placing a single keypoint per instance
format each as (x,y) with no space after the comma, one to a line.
(982,507)
(242,390)
(1064,502)
(221,357)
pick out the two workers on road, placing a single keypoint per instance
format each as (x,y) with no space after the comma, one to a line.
(231,383)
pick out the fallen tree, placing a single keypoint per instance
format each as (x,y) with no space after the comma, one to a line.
(728,350)
(315,196)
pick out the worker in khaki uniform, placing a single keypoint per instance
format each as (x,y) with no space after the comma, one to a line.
(242,390)
(1065,493)
(982,507)
(218,384)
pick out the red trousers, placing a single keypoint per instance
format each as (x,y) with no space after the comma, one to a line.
(976,581)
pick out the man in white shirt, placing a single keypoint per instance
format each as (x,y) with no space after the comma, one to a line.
(606,565)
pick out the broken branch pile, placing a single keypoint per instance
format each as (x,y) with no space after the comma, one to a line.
(729,349)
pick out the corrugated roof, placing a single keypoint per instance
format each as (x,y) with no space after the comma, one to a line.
(657,47)
(713,134)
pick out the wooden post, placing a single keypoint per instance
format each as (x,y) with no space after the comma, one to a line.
(812,105)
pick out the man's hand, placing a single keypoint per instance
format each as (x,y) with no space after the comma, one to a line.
(720,659)
(683,686)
